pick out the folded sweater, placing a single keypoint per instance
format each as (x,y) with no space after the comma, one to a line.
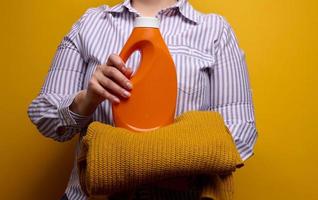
(198,142)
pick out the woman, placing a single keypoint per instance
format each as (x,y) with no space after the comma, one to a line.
(87,75)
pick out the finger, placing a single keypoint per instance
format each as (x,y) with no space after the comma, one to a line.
(100,91)
(107,95)
(129,72)
(115,75)
(113,87)
(116,61)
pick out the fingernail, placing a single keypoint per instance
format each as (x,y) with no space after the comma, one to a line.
(129,85)
(126,94)
(117,100)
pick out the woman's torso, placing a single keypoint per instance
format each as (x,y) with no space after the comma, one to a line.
(190,46)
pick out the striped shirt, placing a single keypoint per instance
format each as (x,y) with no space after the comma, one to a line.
(211,72)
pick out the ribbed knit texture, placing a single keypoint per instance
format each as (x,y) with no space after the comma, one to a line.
(115,159)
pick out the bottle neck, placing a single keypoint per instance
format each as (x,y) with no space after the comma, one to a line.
(146,22)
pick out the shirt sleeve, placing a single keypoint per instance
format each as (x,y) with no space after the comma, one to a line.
(49,111)
(231,94)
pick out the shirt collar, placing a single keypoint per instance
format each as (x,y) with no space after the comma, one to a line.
(183,7)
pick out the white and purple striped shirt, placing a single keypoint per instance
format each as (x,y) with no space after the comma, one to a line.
(211,69)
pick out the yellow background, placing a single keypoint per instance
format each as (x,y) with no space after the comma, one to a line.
(281,45)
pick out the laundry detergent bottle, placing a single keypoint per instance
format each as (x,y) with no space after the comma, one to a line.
(152,103)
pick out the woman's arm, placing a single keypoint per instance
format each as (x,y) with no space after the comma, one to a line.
(49,111)
(64,107)
(231,94)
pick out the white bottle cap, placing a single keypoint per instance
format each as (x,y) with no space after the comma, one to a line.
(146,22)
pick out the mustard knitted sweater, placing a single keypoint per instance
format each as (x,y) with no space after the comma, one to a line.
(115,159)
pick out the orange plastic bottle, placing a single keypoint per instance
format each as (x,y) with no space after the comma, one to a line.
(152,102)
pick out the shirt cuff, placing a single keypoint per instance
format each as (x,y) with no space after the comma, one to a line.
(80,120)
(71,123)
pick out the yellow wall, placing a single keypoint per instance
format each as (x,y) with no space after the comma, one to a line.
(280,41)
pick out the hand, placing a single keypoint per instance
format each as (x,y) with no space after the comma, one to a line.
(109,81)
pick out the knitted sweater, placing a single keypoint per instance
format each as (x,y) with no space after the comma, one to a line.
(198,143)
